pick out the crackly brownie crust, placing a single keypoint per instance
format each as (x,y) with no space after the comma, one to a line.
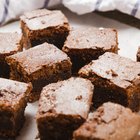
(86,44)
(116,79)
(109,122)
(13,100)
(138,55)
(40,65)
(63,107)
(41,26)
(10,44)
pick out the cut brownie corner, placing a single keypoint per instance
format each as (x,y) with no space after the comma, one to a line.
(109,122)
(86,44)
(48,29)
(116,79)
(63,107)
(10,44)
(13,101)
(40,65)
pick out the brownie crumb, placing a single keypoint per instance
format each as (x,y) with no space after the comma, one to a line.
(79,97)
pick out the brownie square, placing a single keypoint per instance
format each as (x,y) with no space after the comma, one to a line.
(41,26)
(63,107)
(13,100)
(116,79)
(9,44)
(40,65)
(86,44)
(138,55)
(109,122)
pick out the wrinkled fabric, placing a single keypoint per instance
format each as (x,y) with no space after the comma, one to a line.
(12,9)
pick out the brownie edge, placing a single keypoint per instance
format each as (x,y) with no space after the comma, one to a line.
(109,122)
(86,44)
(13,101)
(63,107)
(40,65)
(44,25)
(138,54)
(116,79)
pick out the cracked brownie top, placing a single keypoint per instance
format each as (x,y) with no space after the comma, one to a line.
(119,70)
(38,19)
(10,43)
(69,97)
(91,38)
(39,57)
(110,121)
(12,91)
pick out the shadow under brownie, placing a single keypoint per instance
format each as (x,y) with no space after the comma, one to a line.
(13,100)
(121,17)
(116,79)
(63,107)
(138,55)
(40,65)
(109,122)
(43,25)
(86,44)
(9,44)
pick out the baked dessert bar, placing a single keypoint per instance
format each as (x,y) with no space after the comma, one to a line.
(13,100)
(9,44)
(63,107)
(109,122)
(43,25)
(85,44)
(116,79)
(40,65)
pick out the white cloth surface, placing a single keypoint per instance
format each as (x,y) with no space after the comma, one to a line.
(12,9)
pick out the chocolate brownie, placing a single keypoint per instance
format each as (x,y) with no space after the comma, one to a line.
(13,100)
(9,44)
(138,55)
(40,65)
(86,44)
(109,122)
(41,26)
(116,79)
(63,107)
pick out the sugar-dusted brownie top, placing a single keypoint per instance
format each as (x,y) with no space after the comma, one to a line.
(37,58)
(91,38)
(118,70)
(11,92)
(138,54)
(9,43)
(110,122)
(41,19)
(69,97)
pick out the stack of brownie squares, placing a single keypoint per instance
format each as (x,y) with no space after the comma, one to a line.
(44,32)
(30,70)
(83,86)
(86,44)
